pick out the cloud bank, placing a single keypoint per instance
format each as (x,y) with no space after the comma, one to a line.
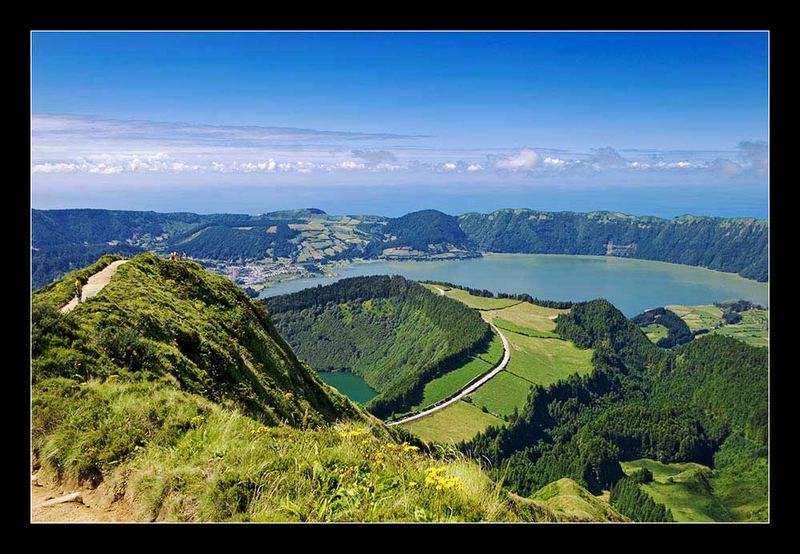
(80,145)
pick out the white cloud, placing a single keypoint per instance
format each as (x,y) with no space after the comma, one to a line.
(83,145)
(554,162)
(524,159)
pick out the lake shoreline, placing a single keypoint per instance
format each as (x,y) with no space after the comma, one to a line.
(631,284)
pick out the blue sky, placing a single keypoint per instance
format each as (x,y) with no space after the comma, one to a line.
(252,120)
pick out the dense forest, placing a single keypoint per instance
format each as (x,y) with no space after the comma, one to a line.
(732,245)
(393,332)
(65,239)
(420,229)
(704,401)
(219,242)
(630,500)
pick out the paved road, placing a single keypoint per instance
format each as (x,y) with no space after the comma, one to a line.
(469,389)
(94,284)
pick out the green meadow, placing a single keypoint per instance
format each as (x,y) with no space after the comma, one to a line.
(459,421)
(683,488)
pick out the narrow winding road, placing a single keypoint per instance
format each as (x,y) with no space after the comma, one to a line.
(470,388)
(94,285)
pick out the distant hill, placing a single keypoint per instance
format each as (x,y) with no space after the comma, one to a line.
(732,245)
(64,240)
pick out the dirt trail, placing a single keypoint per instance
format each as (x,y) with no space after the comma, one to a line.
(94,285)
(97,506)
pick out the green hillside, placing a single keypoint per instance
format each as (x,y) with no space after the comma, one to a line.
(702,402)
(65,240)
(571,502)
(394,333)
(176,322)
(732,245)
(172,397)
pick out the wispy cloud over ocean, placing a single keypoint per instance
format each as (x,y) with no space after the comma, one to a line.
(70,144)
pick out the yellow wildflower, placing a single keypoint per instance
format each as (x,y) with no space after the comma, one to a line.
(260,430)
(435,477)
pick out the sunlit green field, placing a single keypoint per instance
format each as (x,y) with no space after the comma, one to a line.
(479,302)
(459,421)
(528,316)
(451,382)
(753,329)
(698,317)
(537,357)
(655,332)
(683,488)
(502,394)
(545,361)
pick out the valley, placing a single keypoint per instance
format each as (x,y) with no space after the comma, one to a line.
(200,373)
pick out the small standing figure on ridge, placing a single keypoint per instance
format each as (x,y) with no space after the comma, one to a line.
(78,290)
(173,256)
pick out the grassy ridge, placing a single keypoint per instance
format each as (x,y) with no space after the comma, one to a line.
(479,302)
(161,319)
(684,488)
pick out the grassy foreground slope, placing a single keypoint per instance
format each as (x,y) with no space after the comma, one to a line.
(170,392)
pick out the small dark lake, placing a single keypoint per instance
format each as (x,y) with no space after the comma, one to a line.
(349,384)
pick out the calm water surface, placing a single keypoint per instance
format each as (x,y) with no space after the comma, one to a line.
(349,384)
(631,285)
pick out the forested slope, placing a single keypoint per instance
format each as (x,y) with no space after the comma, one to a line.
(705,401)
(732,245)
(393,332)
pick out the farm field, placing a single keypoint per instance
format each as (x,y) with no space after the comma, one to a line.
(683,488)
(753,329)
(527,316)
(459,421)
(537,357)
(655,332)
(545,361)
(698,317)
(503,394)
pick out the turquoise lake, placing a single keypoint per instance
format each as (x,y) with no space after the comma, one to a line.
(349,384)
(631,285)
